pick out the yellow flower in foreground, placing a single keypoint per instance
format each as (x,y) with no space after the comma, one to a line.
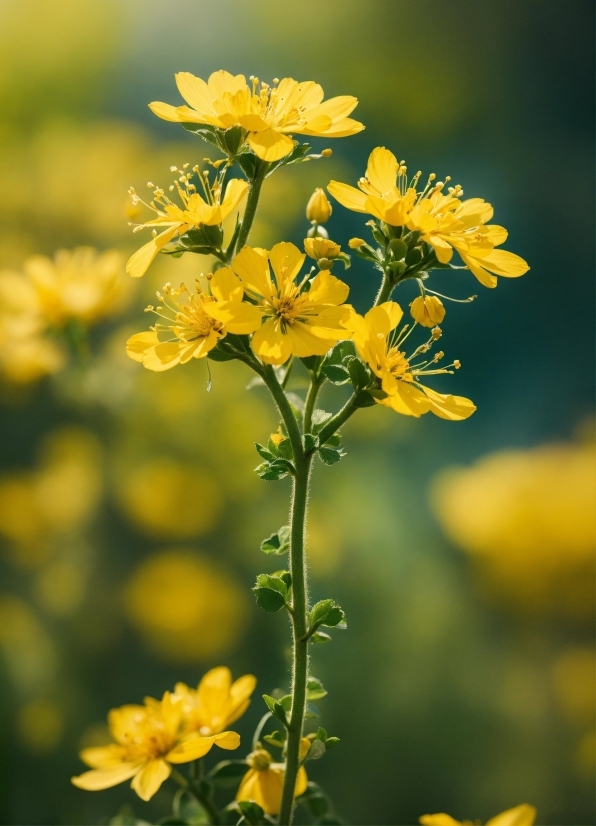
(148,741)
(264,781)
(217,702)
(197,323)
(78,284)
(378,193)
(523,815)
(318,208)
(195,212)
(321,248)
(443,221)
(399,375)
(427,310)
(298,321)
(269,114)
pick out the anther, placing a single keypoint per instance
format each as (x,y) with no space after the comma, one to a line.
(457,364)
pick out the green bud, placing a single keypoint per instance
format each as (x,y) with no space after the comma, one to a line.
(324,264)
(398,248)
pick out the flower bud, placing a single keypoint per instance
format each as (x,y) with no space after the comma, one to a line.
(320,248)
(318,208)
(427,310)
(355,243)
(259,760)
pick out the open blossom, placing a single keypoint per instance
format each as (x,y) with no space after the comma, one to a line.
(148,741)
(444,221)
(217,702)
(196,321)
(264,781)
(195,211)
(270,114)
(522,815)
(300,319)
(400,375)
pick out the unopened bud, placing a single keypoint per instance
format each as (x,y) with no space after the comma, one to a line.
(427,311)
(322,249)
(318,208)
(356,243)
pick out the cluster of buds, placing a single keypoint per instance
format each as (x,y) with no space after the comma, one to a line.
(317,244)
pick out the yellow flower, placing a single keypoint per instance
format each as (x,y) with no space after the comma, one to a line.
(318,248)
(80,284)
(269,114)
(148,741)
(356,243)
(447,223)
(297,322)
(443,221)
(217,702)
(378,193)
(399,376)
(264,781)
(199,320)
(195,212)
(523,815)
(427,310)
(318,208)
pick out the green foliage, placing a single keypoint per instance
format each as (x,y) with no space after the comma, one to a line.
(330,455)
(276,708)
(274,470)
(251,813)
(272,590)
(360,375)
(335,373)
(276,738)
(319,419)
(228,772)
(328,613)
(187,809)
(315,689)
(320,637)
(278,543)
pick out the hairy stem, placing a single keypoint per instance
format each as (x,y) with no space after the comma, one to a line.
(342,416)
(252,201)
(309,406)
(387,287)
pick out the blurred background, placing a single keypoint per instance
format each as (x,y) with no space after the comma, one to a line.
(130,519)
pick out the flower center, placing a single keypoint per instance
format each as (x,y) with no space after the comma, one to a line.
(398,365)
(259,760)
(194,320)
(287,308)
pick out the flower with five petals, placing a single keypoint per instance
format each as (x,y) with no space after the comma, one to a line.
(217,702)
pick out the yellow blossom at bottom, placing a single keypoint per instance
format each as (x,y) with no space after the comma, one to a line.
(264,781)
(148,741)
(522,815)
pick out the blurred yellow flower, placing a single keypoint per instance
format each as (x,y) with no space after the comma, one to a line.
(270,114)
(528,519)
(427,310)
(522,815)
(263,782)
(198,321)
(195,212)
(380,348)
(217,702)
(296,323)
(185,609)
(148,741)
(40,724)
(169,499)
(443,221)
(318,208)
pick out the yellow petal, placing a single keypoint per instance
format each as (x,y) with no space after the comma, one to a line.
(440,819)
(522,815)
(104,757)
(496,235)
(195,92)
(239,318)
(286,261)
(408,400)
(270,344)
(137,345)
(379,319)
(253,123)
(150,778)
(195,746)
(382,169)
(240,692)
(125,722)
(305,342)
(171,712)
(442,248)
(213,691)
(221,82)
(228,740)
(453,408)
(302,782)
(99,779)
(253,269)
(476,206)
(270,145)
(165,111)
(235,192)
(342,128)
(337,108)
(163,356)
(348,196)
(138,264)
(226,286)
(485,278)
(327,289)
(505,263)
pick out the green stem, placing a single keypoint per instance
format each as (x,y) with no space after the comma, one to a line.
(254,191)
(194,789)
(387,287)
(342,416)
(309,406)
(281,400)
(299,631)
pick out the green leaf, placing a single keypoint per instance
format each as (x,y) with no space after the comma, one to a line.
(278,543)
(414,257)
(319,419)
(315,689)
(273,581)
(203,130)
(221,352)
(320,637)
(251,812)
(334,440)
(276,708)
(327,612)
(269,600)
(264,452)
(364,399)
(226,772)
(398,248)
(232,139)
(330,456)
(188,809)
(248,163)
(311,362)
(272,471)
(316,751)
(360,375)
(284,448)
(315,800)
(330,742)
(310,442)
(286,702)
(335,373)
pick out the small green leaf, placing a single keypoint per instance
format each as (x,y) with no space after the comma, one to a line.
(252,812)
(264,452)
(319,418)
(277,583)
(414,257)
(316,751)
(330,456)
(320,637)
(272,471)
(336,374)
(208,133)
(284,448)
(278,543)
(286,702)
(334,441)
(330,742)
(360,375)
(228,771)
(315,689)
(248,163)
(276,738)
(327,612)
(276,708)
(269,600)
(310,442)
(221,352)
